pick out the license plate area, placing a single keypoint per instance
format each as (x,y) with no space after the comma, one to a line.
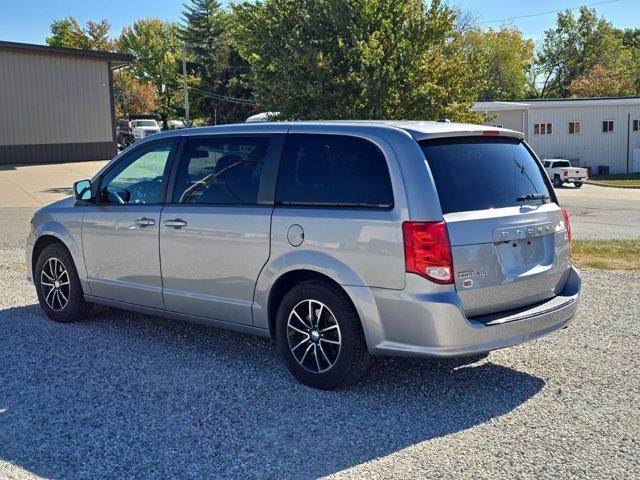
(519,256)
(524,248)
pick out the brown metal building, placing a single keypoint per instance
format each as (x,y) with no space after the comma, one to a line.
(56,104)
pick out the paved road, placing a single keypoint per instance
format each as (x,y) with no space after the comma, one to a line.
(601,212)
(24,189)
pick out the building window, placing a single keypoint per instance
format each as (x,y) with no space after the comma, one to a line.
(575,128)
(607,126)
(636,125)
(542,128)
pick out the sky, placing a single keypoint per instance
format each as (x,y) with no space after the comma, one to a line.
(28,20)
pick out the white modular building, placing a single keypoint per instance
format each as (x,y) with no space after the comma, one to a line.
(599,133)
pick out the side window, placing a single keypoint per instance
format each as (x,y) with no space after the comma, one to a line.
(223,170)
(547,164)
(575,128)
(333,170)
(139,178)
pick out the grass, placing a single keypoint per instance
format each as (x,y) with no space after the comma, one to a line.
(607,254)
(628,180)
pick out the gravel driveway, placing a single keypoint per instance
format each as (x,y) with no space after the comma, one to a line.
(131,396)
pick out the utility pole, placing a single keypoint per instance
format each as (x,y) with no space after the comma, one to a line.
(184,85)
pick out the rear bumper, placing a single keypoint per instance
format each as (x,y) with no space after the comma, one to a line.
(434,324)
(575,179)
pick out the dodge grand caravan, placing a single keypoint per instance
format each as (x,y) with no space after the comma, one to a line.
(337,239)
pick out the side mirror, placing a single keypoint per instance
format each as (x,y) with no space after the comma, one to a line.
(82,190)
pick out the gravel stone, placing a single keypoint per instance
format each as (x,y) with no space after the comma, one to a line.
(132,396)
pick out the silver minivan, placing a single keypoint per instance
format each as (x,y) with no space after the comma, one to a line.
(340,240)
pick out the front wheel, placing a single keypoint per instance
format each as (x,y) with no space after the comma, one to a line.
(58,286)
(557,182)
(320,336)
(577,184)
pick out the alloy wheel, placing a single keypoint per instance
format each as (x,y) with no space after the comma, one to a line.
(314,336)
(54,281)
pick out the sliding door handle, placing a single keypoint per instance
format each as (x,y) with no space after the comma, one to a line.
(175,223)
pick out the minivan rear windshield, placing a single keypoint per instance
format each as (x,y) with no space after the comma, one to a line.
(476,173)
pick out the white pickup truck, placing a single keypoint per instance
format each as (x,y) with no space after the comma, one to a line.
(143,128)
(561,172)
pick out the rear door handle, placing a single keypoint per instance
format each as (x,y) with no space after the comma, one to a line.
(144,222)
(175,223)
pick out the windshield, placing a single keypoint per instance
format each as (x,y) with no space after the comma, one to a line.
(145,123)
(476,173)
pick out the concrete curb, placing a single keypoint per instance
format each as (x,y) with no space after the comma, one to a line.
(633,187)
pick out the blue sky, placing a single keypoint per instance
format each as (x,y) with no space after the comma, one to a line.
(28,20)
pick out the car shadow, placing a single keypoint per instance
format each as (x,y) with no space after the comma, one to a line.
(128,395)
(59,190)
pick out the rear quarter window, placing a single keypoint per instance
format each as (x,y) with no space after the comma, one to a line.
(333,170)
(477,173)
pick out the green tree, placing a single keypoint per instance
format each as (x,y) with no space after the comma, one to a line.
(156,47)
(571,49)
(502,59)
(67,32)
(355,59)
(214,61)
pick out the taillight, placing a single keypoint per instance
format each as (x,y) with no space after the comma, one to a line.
(566,173)
(565,216)
(427,250)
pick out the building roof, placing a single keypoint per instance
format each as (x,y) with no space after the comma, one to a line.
(113,57)
(554,103)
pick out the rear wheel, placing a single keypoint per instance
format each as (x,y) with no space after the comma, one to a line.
(577,184)
(58,286)
(320,336)
(557,181)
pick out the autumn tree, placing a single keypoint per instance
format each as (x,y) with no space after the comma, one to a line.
(67,32)
(355,59)
(132,97)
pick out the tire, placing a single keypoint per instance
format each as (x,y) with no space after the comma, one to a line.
(557,182)
(53,286)
(577,184)
(335,365)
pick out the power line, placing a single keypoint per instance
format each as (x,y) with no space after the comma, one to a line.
(548,13)
(222,98)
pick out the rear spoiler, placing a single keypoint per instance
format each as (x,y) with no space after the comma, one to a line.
(472,132)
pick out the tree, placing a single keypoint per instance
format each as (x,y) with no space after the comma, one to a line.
(67,32)
(502,59)
(355,59)
(215,62)
(156,47)
(132,97)
(571,49)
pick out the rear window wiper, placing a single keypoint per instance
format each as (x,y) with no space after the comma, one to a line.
(533,196)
